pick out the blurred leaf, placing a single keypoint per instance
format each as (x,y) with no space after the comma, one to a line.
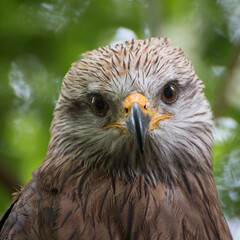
(226,154)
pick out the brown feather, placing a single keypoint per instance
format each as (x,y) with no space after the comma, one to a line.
(99,186)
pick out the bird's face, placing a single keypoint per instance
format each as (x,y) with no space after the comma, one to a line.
(134,108)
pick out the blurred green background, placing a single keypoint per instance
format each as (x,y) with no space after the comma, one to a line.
(40,39)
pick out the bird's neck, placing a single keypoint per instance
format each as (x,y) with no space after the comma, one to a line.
(59,171)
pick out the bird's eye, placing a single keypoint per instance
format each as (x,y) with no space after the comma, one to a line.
(169,93)
(98,104)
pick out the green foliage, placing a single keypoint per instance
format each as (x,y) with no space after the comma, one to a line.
(39,41)
(226,152)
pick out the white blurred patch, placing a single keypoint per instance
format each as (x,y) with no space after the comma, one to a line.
(231,9)
(48,6)
(234,225)
(224,128)
(17,82)
(53,15)
(147,31)
(32,82)
(122,35)
(218,70)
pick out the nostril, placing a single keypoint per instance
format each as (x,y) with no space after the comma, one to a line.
(145,107)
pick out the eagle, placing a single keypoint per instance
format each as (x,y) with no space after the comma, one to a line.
(129,155)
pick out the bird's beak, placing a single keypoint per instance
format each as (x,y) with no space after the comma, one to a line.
(138,118)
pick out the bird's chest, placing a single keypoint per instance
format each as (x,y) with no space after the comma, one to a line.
(107,209)
(119,211)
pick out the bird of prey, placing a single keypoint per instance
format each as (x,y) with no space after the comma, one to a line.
(129,155)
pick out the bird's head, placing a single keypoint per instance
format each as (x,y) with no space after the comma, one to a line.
(135,108)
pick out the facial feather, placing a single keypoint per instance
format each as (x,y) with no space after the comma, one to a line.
(115,72)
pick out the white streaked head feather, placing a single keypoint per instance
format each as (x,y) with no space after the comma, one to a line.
(115,72)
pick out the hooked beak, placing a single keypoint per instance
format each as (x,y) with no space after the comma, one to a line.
(138,118)
(138,123)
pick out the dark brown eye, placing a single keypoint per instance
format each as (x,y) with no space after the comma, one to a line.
(169,93)
(98,104)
